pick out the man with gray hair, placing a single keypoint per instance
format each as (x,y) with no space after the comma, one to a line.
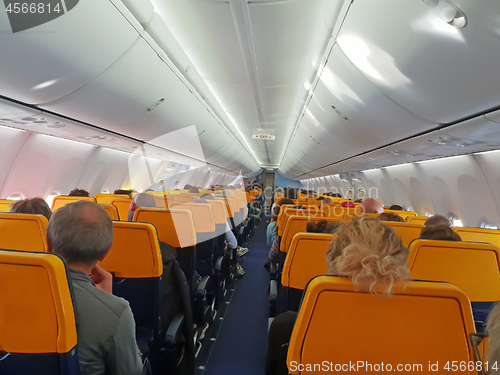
(82,233)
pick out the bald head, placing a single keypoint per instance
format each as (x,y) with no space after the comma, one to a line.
(81,232)
(140,200)
(372,206)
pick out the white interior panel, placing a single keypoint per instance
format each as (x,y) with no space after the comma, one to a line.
(438,71)
(12,142)
(446,186)
(105,171)
(373,119)
(141,9)
(208,23)
(489,162)
(410,189)
(458,186)
(119,98)
(301,24)
(378,185)
(46,165)
(44,63)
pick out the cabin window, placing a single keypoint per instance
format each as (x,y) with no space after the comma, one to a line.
(15,197)
(488,225)
(455,220)
(50,198)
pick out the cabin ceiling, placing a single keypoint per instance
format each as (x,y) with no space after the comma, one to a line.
(340,84)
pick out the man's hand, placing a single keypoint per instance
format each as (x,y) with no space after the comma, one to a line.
(102,279)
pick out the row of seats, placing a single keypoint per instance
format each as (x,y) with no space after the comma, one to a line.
(344,213)
(136,263)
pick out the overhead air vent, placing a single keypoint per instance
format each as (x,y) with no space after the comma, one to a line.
(448,12)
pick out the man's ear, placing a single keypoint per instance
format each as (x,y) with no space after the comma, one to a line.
(49,245)
(106,253)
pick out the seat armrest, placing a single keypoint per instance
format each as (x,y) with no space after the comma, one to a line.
(273,271)
(273,297)
(201,290)
(218,265)
(174,330)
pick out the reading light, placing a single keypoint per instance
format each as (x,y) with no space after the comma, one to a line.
(448,12)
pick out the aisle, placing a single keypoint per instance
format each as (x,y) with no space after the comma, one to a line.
(240,346)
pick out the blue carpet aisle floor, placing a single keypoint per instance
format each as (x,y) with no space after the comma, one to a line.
(239,344)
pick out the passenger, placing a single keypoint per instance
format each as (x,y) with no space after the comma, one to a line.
(274,251)
(230,238)
(187,187)
(396,207)
(370,253)
(32,206)
(439,232)
(390,216)
(124,192)
(323,226)
(372,206)
(79,193)
(437,220)
(493,349)
(140,200)
(322,200)
(365,250)
(82,233)
(290,193)
(193,190)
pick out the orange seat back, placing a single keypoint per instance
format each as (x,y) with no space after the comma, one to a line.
(122,205)
(26,232)
(472,267)
(135,252)
(108,198)
(305,259)
(111,210)
(203,216)
(5,204)
(288,211)
(491,236)
(350,217)
(219,210)
(407,231)
(403,214)
(416,219)
(175,227)
(36,308)
(296,224)
(62,200)
(422,323)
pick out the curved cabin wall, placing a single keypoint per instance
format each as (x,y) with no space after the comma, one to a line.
(466,186)
(36,165)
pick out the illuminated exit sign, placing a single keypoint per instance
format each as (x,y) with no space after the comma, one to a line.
(268,137)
